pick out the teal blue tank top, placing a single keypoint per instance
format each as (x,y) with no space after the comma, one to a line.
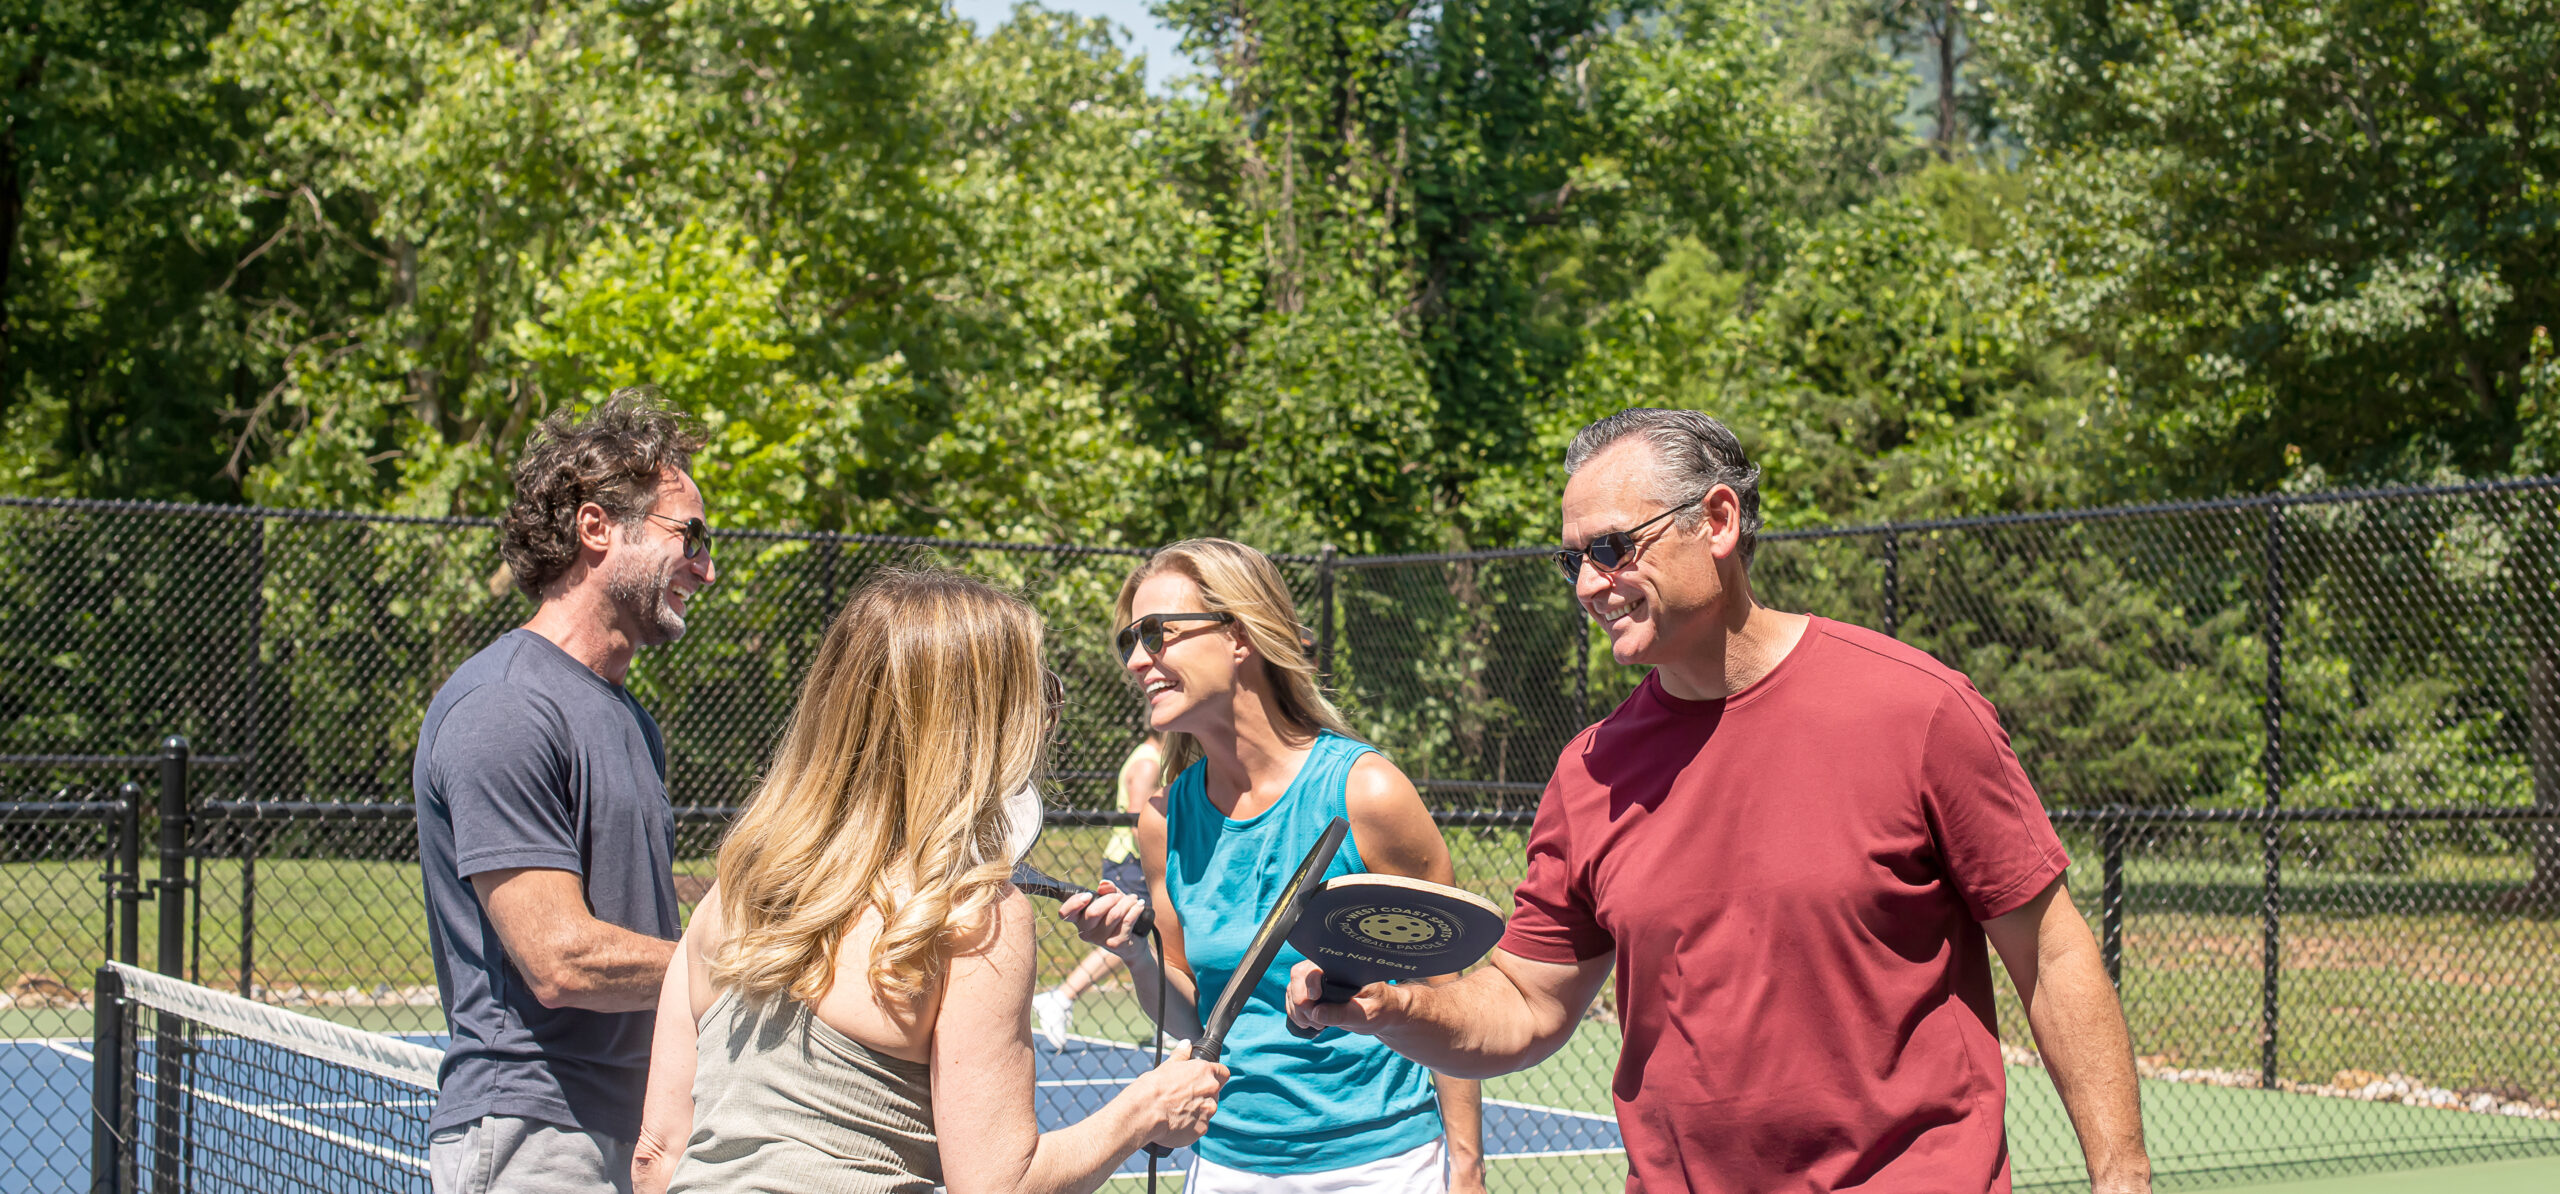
(1289,1106)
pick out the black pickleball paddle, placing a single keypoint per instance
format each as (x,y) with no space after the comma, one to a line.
(1364,929)
(1267,941)
(1034,881)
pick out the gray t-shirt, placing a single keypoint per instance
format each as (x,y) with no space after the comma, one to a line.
(528,758)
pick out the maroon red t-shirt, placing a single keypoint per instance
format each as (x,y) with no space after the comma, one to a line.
(1792,878)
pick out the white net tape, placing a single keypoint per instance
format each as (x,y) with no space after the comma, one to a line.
(382,1056)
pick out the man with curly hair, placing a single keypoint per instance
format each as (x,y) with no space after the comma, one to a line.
(543,824)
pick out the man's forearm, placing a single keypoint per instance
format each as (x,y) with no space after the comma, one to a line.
(1506,1016)
(1477,1027)
(604,968)
(2080,1030)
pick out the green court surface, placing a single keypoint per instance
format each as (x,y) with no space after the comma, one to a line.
(2536,1176)
(2210,1136)
(2201,1136)
(350,935)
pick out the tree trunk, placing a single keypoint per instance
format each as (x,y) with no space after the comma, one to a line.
(13,209)
(1948,64)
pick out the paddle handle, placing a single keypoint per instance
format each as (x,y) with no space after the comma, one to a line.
(1033,881)
(1335,991)
(1207,1049)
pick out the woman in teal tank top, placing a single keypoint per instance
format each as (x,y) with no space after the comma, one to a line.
(1262,762)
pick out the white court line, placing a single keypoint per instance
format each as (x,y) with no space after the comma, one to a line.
(269,1113)
(338,1138)
(355,1106)
(1489,1158)
(1543,1109)
(60,1044)
(1096,1040)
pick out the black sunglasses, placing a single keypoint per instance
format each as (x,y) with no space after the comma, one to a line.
(697,535)
(1148,631)
(1612,551)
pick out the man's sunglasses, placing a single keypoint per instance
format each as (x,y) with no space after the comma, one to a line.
(1614,550)
(697,535)
(1148,631)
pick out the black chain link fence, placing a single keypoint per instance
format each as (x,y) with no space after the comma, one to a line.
(2305,751)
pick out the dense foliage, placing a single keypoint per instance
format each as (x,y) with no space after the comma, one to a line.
(1930,255)
(1355,285)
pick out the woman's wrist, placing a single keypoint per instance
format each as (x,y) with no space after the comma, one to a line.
(1145,1115)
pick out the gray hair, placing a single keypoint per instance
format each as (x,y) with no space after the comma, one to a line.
(1693,453)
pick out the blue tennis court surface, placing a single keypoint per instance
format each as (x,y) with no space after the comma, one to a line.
(45,1146)
(1079,1078)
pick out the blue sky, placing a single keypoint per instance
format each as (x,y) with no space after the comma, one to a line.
(1145,34)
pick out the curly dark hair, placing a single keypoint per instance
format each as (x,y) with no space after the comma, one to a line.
(613,457)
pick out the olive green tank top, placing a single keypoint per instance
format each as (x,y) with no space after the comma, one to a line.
(781,1101)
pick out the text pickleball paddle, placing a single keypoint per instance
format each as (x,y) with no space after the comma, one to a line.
(1266,945)
(1365,929)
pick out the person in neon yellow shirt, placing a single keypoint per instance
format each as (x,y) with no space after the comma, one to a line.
(1141,775)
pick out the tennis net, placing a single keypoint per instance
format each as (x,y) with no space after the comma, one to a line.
(203,1091)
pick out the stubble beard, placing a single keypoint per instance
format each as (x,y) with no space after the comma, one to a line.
(639,591)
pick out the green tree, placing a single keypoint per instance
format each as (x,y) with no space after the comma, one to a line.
(121,268)
(2330,227)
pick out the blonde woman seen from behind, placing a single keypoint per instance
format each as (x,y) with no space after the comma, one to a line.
(850,1008)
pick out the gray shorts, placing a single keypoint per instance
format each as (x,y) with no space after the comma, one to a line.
(504,1152)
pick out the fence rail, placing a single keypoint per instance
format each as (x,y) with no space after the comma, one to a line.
(2305,749)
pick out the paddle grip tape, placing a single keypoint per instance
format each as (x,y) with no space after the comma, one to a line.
(1335,991)
(1033,881)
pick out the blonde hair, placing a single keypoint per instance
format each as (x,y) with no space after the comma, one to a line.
(1236,579)
(924,710)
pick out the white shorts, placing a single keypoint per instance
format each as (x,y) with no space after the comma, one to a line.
(1423,1170)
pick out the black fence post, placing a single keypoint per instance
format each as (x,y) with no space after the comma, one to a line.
(253,693)
(2111,840)
(169,1043)
(1324,610)
(110,1086)
(127,879)
(1892,583)
(2271,904)
(172,884)
(248,837)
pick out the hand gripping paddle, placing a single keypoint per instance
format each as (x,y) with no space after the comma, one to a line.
(1266,946)
(1023,815)
(1033,881)
(1365,929)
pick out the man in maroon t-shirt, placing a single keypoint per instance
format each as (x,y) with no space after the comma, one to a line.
(1790,844)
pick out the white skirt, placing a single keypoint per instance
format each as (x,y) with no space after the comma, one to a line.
(1422,1170)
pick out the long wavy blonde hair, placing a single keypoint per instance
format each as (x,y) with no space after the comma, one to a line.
(1236,579)
(924,710)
